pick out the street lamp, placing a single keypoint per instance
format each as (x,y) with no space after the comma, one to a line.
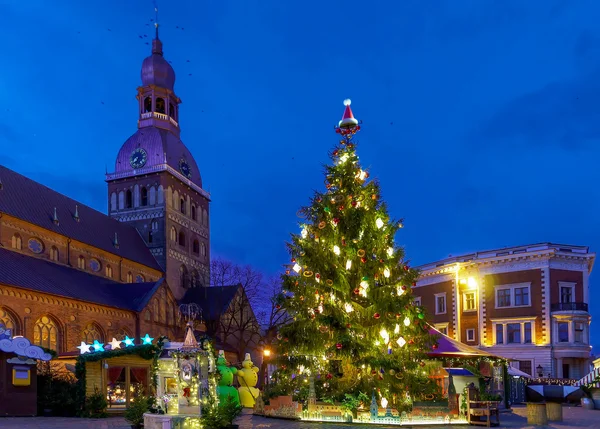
(540,371)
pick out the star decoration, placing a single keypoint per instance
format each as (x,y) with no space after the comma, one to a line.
(84,348)
(115,344)
(147,339)
(98,346)
(128,341)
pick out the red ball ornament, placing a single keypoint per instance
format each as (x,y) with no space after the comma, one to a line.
(381,261)
(356,291)
(376,316)
(411,341)
(338,346)
(434,347)
(343,241)
(336,220)
(406,268)
(329,376)
(278,306)
(293,259)
(363,260)
(341,208)
(287,272)
(422,363)
(335,152)
(414,283)
(348,325)
(404,287)
(353,203)
(317,276)
(374,196)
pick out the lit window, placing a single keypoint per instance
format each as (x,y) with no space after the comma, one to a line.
(470,334)
(108,271)
(81,262)
(469,301)
(517,295)
(45,333)
(202,249)
(129,277)
(173,234)
(17,242)
(90,333)
(54,253)
(8,320)
(147,316)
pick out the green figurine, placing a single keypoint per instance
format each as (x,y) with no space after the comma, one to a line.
(225,388)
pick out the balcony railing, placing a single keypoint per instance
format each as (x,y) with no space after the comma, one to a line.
(569,306)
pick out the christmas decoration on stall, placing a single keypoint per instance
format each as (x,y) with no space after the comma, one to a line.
(349,288)
(247,379)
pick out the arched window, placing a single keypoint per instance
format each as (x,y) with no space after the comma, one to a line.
(155,310)
(54,253)
(129,277)
(163,308)
(160,105)
(202,249)
(81,262)
(196,247)
(9,320)
(128,199)
(123,332)
(170,314)
(148,316)
(205,218)
(113,202)
(144,197)
(108,271)
(173,234)
(193,210)
(182,205)
(147,104)
(181,238)
(17,242)
(121,200)
(183,277)
(175,200)
(150,236)
(172,112)
(194,279)
(92,332)
(45,333)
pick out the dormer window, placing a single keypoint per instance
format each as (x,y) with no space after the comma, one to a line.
(160,105)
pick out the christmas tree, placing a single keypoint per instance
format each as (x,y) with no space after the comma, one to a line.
(348,288)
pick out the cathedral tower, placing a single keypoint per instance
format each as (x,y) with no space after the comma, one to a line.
(156,185)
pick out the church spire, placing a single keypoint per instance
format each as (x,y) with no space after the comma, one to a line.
(156,43)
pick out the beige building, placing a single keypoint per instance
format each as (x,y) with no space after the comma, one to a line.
(527,303)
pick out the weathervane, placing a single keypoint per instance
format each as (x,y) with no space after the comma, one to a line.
(155,17)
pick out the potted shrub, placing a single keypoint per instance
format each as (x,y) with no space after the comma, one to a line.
(95,405)
(137,408)
(220,416)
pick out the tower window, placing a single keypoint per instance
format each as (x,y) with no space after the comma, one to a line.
(193,213)
(144,194)
(181,238)
(196,247)
(160,105)
(183,277)
(172,112)
(182,205)
(173,234)
(17,243)
(148,104)
(128,199)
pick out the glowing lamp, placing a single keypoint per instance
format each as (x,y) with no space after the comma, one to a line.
(266,352)
(384,403)
(297,268)
(471,283)
(379,223)
(400,291)
(406,321)
(336,249)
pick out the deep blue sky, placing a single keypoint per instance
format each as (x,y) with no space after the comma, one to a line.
(481,118)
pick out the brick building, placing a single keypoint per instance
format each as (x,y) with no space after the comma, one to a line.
(527,303)
(69,273)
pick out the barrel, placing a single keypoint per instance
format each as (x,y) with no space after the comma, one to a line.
(536,413)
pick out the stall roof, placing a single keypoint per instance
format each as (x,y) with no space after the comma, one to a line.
(459,372)
(447,347)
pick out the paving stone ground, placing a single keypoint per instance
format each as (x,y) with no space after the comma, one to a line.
(573,418)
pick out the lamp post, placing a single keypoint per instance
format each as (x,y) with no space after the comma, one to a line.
(265,364)
(540,371)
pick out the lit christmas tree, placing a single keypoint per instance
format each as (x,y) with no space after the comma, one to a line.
(355,326)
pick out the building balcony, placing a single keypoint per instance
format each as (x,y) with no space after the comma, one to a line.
(569,306)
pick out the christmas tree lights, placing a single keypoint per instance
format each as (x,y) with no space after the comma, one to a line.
(348,289)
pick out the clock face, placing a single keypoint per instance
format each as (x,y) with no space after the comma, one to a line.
(138,158)
(184,167)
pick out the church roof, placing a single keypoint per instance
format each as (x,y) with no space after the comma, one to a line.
(36,274)
(33,202)
(213,300)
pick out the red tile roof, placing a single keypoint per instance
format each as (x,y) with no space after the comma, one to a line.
(33,202)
